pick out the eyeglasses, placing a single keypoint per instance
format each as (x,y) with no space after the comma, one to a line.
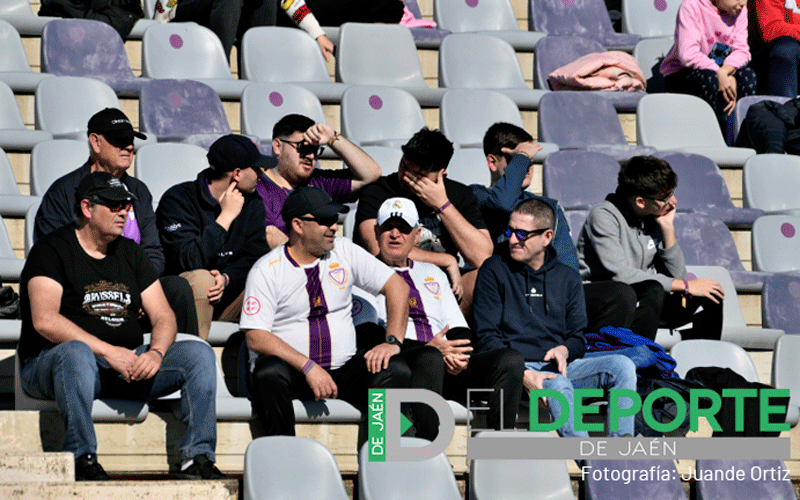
(322,221)
(304,149)
(662,200)
(115,206)
(522,234)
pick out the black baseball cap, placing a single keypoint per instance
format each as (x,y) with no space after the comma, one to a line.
(234,151)
(311,200)
(104,186)
(112,123)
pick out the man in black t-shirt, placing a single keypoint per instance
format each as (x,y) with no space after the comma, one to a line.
(448,212)
(81,291)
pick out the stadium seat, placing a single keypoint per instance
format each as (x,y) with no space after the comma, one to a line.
(747,483)
(12,202)
(14,136)
(584,120)
(20,15)
(387,158)
(685,123)
(189,51)
(379,116)
(553,52)
(649,52)
(10,265)
(83,47)
(779,303)
(479,61)
(775,248)
(288,55)
(702,189)
(786,372)
(30,221)
(650,18)
(579,180)
(743,104)
(182,111)
(588,18)
(489,17)
(468,166)
(576,219)
(734,328)
(53,159)
(161,166)
(519,479)
(362,59)
(770,182)
(290,467)
(15,70)
(431,479)
(690,354)
(598,488)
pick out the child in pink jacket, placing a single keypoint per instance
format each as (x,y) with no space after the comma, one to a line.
(710,56)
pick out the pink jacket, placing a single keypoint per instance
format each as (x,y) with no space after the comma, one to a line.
(700,25)
(612,70)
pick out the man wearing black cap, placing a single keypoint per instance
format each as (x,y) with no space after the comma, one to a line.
(297,316)
(111,150)
(81,291)
(213,228)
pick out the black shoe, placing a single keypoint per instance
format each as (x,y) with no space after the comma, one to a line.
(87,469)
(202,468)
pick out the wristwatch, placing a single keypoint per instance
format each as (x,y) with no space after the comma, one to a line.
(392,340)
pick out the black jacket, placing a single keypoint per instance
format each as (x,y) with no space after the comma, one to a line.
(120,14)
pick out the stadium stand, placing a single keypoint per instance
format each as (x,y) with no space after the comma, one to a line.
(52,159)
(588,18)
(161,166)
(387,158)
(20,15)
(773,487)
(650,19)
(10,265)
(489,17)
(770,182)
(468,166)
(744,103)
(775,248)
(693,353)
(379,116)
(779,299)
(600,489)
(12,202)
(14,136)
(15,70)
(786,374)
(579,180)
(649,52)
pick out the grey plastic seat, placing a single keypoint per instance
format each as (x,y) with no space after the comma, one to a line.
(468,166)
(362,59)
(734,328)
(191,51)
(161,166)
(30,221)
(685,123)
(519,479)
(83,47)
(579,180)
(786,373)
(779,302)
(479,61)
(584,120)
(650,19)
(770,182)
(649,52)
(599,489)
(14,136)
(10,265)
(431,479)
(555,51)
(387,158)
(576,219)
(290,467)
(750,486)
(20,15)
(588,18)
(489,17)
(287,55)
(15,70)
(53,159)
(12,202)
(702,189)
(775,248)
(695,353)
(380,116)
(743,104)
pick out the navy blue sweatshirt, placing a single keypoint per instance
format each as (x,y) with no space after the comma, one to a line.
(530,311)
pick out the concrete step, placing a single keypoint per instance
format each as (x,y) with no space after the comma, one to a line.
(36,468)
(123,490)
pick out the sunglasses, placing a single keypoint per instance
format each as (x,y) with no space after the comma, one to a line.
(662,200)
(304,149)
(115,206)
(322,221)
(522,234)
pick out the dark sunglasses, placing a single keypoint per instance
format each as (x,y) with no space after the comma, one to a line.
(304,149)
(115,206)
(322,221)
(522,234)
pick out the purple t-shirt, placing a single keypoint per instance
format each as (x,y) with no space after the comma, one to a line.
(337,183)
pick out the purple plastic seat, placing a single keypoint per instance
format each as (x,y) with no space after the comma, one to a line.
(780,302)
(634,490)
(701,188)
(182,111)
(553,52)
(706,241)
(746,484)
(579,180)
(587,18)
(584,120)
(82,47)
(575,219)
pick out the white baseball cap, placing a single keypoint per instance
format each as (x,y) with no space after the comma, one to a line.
(398,207)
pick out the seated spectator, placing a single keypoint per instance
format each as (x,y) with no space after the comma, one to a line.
(81,290)
(509,149)
(212,228)
(296,143)
(120,14)
(774,27)
(434,319)
(449,215)
(630,238)
(529,301)
(710,55)
(297,317)
(220,16)
(111,150)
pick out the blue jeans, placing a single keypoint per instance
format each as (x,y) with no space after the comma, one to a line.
(72,375)
(613,371)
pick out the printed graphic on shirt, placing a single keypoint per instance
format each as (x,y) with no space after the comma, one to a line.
(108,302)
(432,286)
(252,306)
(338,275)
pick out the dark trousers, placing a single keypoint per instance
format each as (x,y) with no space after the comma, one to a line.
(275,383)
(605,305)
(327,12)
(776,67)
(181,300)
(427,372)
(220,16)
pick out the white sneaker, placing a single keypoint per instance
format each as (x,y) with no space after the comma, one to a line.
(165,10)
